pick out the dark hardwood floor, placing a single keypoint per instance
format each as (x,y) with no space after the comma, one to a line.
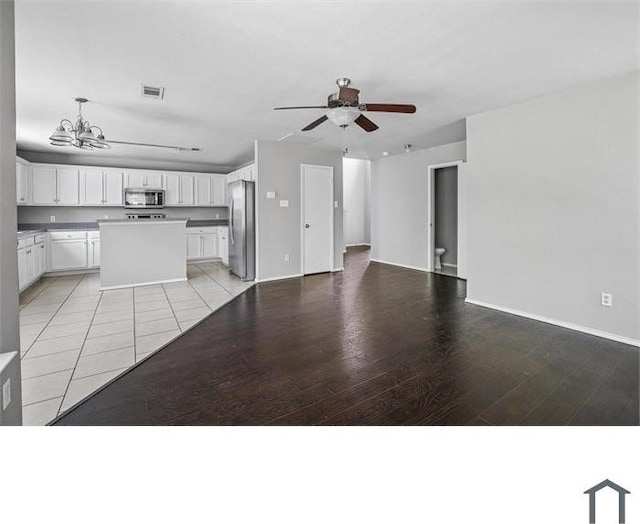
(375,344)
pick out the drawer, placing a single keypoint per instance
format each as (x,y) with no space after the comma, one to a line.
(39,238)
(28,241)
(22,242)
(67,235)
(94,235)
(201,230)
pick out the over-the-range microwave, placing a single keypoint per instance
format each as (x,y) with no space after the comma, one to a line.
(143,198)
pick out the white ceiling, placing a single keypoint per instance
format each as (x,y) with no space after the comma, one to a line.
(226,65)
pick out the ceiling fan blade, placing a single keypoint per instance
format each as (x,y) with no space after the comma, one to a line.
(365,123)
(300,107)
(391,108)
(348,94)
(315,123)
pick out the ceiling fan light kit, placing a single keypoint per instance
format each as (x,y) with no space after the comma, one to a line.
(344,108)
(80,135)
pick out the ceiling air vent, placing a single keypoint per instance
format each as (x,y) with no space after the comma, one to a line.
(152,92)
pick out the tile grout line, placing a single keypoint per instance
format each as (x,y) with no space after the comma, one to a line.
(216,281)
(171,306)
(81,347)
(52,317)
(37,294)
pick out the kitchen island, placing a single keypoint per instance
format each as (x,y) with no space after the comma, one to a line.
(142,252)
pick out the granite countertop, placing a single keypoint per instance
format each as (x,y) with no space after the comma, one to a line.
(43,227)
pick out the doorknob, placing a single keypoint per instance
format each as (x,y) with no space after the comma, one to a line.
(307,226)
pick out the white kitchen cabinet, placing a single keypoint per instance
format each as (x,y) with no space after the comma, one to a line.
(55,186)
(193,247)
(68,250)
(140,178)
(187,190)
(23,172)
(22,268)
(219,191)
(211,190)
(41,258)
(223,244)
(202,243)
(99,187)
(210,245)
(31,260)
(203,190)
(94,249)
(179,189)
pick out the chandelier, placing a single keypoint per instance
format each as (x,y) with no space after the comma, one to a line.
(81,135)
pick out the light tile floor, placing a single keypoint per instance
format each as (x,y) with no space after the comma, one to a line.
(75,338)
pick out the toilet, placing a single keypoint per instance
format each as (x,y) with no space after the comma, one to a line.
(439,252)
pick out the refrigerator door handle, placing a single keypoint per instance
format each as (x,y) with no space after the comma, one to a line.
(231,224)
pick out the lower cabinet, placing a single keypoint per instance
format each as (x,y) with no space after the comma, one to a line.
(202,243)
(31,260)
(94,249)
(223,244)
(68,250)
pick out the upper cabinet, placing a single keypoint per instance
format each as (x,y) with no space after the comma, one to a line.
(23,185)
(179,189)
(100,187)
(211,190)
(142,178)
(54,186)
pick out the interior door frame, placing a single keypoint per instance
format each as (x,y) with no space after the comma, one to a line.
(431,232)
(302,212)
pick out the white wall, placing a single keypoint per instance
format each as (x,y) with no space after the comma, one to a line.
(356,179)
(553,206)
(9,323)
(400,204)
(279,228)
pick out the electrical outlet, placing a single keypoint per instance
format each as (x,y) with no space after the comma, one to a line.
(217,215)
(106,216)
(606,299)
(52,218)
(284,203)
(6,394)
(286,258)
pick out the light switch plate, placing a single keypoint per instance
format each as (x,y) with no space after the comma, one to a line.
(271,195)
(284,203)
(335,204)
(6,394)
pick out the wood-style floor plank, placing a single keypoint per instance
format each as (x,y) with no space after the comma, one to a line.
(375,344)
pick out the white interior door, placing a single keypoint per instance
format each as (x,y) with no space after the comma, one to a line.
(317,219)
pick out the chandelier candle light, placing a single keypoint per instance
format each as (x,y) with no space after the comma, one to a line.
(80,135)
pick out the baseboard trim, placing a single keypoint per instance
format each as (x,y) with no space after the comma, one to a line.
(559,323)
(272,279)
(356,245)
(69,272)
(449,265)
(336,269)
(140,284)
(424,270)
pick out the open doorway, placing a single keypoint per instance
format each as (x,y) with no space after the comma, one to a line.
(445,225)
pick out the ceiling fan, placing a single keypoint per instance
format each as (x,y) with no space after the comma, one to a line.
(343,108)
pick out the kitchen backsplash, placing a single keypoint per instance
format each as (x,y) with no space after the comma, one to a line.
(33,214)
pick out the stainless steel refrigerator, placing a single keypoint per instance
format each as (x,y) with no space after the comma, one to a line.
(242,241)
